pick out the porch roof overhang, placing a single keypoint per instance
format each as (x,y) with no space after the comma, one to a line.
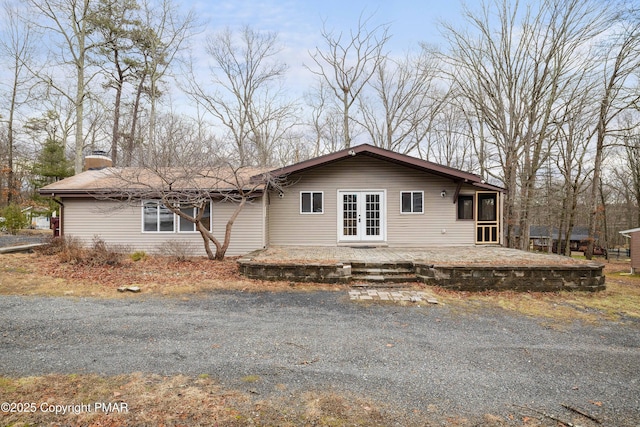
(627,233)
(453,174)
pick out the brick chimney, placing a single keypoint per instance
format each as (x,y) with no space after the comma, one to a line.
(97,160)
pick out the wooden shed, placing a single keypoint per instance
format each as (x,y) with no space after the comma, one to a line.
(634,245)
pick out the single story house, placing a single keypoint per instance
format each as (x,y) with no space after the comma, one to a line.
(540,236)
(361,196)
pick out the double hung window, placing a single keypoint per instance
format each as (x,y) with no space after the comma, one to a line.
(157,218)
(411,202)
(311,202)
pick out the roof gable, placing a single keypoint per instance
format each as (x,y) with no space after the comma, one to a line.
(389,156)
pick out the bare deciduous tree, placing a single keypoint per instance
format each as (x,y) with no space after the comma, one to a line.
(620,60)
(512,71)
(449,142)
(406,101)
(346,66)
(572,158)
(163,35)
(188,179)
(247,99)
(324,121)
(632,150)
(16,47)
(68,22)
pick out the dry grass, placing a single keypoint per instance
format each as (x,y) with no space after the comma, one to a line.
(176,401)
(37,274)
(145,399)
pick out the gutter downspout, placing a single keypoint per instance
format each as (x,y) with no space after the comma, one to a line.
(59,202)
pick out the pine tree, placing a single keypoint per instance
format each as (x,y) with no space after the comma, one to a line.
(52,164)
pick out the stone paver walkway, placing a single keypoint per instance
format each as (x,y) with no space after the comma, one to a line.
(448,255)
(391,295)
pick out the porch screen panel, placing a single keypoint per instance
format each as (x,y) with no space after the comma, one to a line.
(372,215)
(487,223)
(487,207)
(350,214)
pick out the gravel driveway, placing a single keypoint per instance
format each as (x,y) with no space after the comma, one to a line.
(409,357)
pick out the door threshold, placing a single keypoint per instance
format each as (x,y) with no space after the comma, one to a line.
(369,245)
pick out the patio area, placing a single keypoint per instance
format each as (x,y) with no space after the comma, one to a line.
(473,268)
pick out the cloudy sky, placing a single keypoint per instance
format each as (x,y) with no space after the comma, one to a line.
(299,22)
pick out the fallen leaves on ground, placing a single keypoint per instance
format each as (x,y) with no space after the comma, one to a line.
(38,274)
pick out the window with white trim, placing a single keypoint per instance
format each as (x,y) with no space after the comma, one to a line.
(157,218)
(311,202)
(187,226)
(412,202)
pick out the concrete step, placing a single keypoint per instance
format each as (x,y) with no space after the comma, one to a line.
(385,277)
(361,284)
(382,265)
(381,271)
(381,274)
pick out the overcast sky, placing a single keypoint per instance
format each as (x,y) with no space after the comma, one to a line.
(299,23)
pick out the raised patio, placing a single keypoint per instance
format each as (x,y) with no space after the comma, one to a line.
(475,268)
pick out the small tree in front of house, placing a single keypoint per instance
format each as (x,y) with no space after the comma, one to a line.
(187,192)
(238,186)
(183,174)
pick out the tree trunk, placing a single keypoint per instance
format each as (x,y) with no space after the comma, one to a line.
(345,118)
(227,232)
(595,184)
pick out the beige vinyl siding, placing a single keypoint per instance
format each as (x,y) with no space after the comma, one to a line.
(265,219)
(437,226)
(121,224)
(246,234)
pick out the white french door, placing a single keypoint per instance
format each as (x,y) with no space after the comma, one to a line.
(361,216)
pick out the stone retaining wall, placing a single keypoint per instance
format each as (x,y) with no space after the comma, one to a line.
(535,278)
(321,273)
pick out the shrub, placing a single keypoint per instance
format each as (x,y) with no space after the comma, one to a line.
(138,256)
(68,249)
(178,250)
(101,254)
(71,250)
(14,219)
(52,246)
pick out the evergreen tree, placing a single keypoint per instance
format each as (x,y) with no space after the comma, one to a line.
(52,164)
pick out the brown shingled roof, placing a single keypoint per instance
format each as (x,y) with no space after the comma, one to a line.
(115,180)
(390,156)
